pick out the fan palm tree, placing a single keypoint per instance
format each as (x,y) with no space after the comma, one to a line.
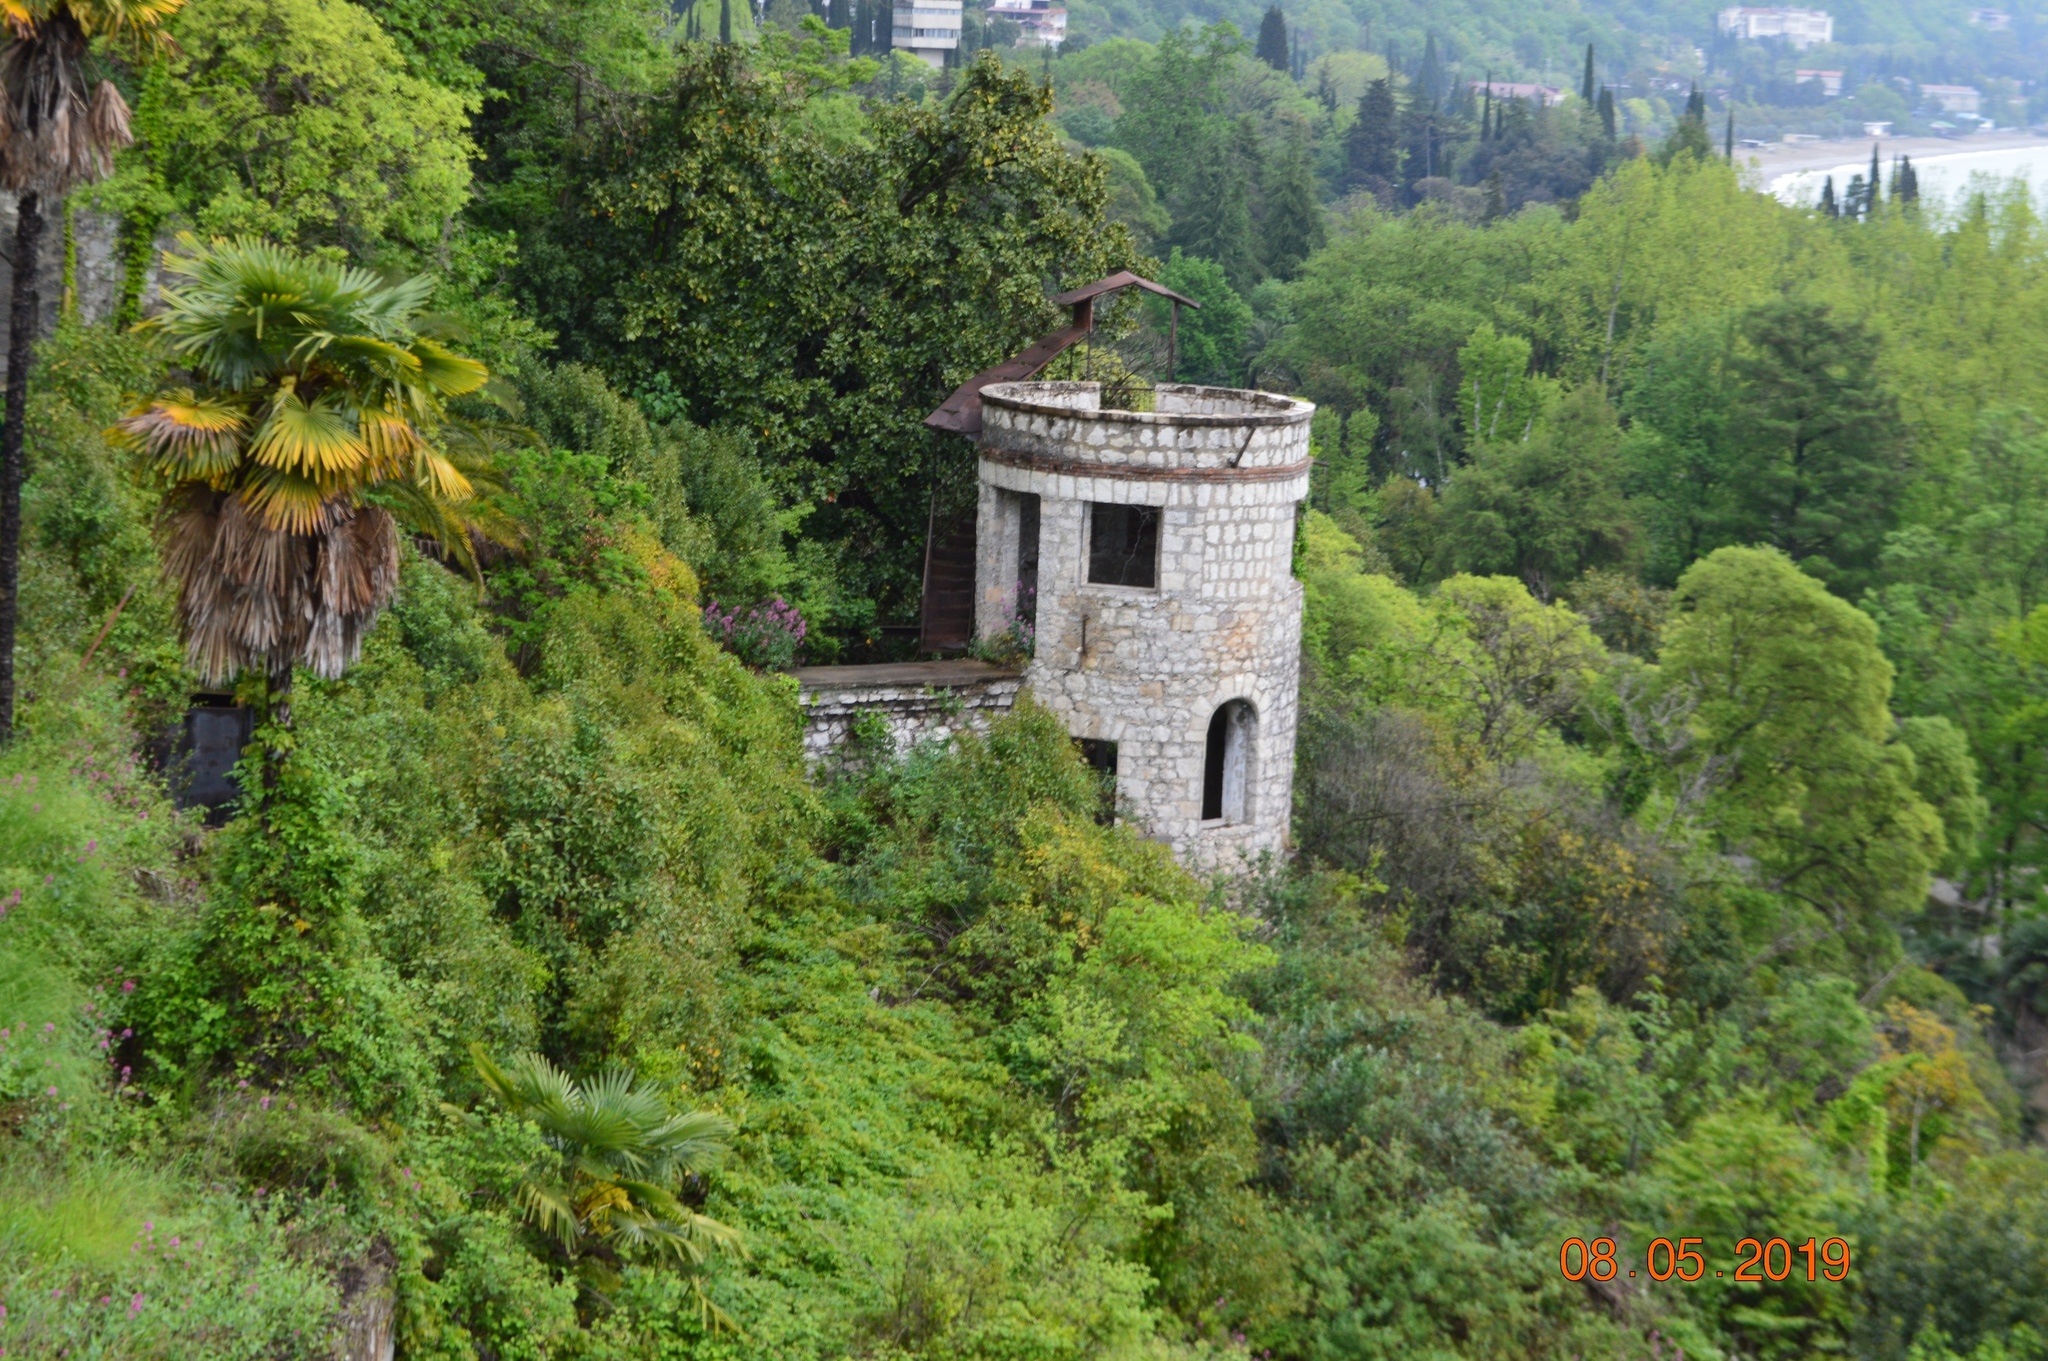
(619,1157)
(315,425)
(59,128)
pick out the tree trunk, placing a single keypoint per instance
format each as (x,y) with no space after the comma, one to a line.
(277,716)
(21,341)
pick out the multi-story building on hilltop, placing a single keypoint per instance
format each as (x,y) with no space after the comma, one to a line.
(1803,28)
(1042,23)
(927,28)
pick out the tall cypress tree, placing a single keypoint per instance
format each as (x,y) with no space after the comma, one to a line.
(1272,48)
(1213,216)
(1586,85)
(1607,112)
(1854,198)
(1486,114)
(1429,81)
(1496,196)
(1294,213)
(1728,145)
(1691,133)
(725,21)
(1870,192)
(1828,206)
(1372,147)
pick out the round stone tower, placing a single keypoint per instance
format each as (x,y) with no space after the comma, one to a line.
(1146,557)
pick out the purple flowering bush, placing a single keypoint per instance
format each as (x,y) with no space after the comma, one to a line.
(767,636)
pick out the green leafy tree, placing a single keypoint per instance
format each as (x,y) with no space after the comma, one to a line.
(1172,105)
(611,1191)
(1214,215)
(1689,136)
(59,129)
(1547,507)
(1132,200)
(1212,339)
(1790,753)
(1971,1264)
(298,120)
(319,426)
(1498,398)
(1744,1173)
(822,297)
(1958,614)
(1679,454)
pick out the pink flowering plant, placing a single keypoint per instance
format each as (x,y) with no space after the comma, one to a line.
(767,636)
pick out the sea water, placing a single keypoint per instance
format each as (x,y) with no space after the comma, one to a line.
(1944,179)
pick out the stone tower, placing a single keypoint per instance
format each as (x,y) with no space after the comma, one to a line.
(1147,557)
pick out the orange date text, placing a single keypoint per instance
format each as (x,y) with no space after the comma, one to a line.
(1755,1260)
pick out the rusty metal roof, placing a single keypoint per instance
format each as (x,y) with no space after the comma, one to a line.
(1122,279)
(961,412)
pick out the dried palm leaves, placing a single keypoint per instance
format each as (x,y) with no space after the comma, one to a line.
(318,424)
(250,595)
(58,129)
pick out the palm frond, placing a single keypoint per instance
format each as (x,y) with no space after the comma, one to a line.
(550,1209)
(141,22)
(254,594)
(440,477)
(620,1145)
(693,1141)
(186,436)
(311,439)
(448,373)
(285,502)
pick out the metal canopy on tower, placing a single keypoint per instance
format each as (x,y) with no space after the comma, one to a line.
(961,412)
(947,614)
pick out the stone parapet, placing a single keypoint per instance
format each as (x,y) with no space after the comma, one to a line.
(1195,433)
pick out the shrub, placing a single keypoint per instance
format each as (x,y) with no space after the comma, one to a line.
(766,637)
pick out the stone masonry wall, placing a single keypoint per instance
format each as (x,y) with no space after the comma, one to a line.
(920,702)
(1147,668)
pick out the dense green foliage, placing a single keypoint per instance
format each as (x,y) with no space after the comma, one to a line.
(1670,787)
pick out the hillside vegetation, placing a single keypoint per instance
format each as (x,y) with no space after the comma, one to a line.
(1669,796)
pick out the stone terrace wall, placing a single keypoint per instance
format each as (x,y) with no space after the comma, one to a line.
(920,701)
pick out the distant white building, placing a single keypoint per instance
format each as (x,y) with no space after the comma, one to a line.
(1044,24)
(1997,20)
(1830,81)
(927,28)
(1549,95)
(1878,128)
(1953,98)
(1803,28)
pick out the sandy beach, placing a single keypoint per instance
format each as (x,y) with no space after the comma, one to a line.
(1947,165)
(1790,159)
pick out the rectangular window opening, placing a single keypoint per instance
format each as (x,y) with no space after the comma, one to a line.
(1100,757)
(1027,560)
(1123,545)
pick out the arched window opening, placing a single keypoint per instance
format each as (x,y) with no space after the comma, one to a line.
(1226,774)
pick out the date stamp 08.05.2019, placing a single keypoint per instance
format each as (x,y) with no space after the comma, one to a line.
(1686,1259)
